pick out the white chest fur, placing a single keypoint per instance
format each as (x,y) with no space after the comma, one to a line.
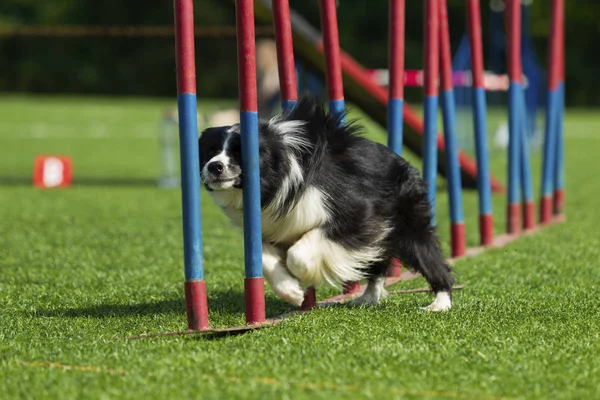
(309,212)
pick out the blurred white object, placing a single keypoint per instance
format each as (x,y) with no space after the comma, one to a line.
(501,136)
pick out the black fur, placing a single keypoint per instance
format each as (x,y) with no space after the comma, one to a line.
(368,187)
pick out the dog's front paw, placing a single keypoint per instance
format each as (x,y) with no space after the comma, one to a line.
(442,302)
(290,290)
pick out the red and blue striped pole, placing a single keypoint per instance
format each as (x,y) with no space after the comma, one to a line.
(515,91)
(246,52)
(285,53)
(486,219)
(333,76)
(558,8)
(430,106)
(395,105)
(396,67)
(331,44)
(288,84)
(195,287)
(457,228)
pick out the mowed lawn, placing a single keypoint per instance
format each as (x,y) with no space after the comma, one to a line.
(84,267)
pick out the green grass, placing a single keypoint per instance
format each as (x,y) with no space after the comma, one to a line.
(84,267)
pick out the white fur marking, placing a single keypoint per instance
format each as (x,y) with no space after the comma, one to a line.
(373,294)
(442,302)
(308,213)
(315,259)
(292,181)
(279,278)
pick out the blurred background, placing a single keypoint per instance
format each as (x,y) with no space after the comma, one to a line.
(93,80)
(101,61)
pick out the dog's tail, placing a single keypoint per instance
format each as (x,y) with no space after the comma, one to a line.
(415,240)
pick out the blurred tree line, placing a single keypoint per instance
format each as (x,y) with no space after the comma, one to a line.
(145,66)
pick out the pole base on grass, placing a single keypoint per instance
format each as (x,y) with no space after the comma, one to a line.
(559,201)
(196,304)
(254,294)
(351,287)
(394,269)
(528,215)
(458,242)
(486,229)
(310,299)
(513,219)
(546,210)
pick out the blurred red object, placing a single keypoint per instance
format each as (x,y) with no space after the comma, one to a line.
(52,171)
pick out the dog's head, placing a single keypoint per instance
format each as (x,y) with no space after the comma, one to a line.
(221,158)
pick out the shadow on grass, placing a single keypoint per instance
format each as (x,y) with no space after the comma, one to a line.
(221,302)
(84,181)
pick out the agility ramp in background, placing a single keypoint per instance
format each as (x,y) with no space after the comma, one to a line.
(362,90)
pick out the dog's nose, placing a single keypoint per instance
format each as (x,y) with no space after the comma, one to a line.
(216,167)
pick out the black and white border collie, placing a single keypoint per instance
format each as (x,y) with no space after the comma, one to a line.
(336,207)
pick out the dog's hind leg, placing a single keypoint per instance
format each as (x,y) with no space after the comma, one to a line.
(375,291)
(426,257)
(280,280)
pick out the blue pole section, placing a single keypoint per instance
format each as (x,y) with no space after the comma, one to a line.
(526,179)
(251,194)
(287,104)
(337,107)
(395,122)
(481,151)
(515,91)
(190,187)
(548,167)
(452,166)
(430,150)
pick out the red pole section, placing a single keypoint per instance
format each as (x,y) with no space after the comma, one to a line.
(285,51)
(555,69)
(474,14)
(184,42)
(246,52)
(331,42)
(445,51)
(432,66)
(396,56)
(513,26)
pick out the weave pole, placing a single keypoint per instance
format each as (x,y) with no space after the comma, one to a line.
(254,289)
(195,287)
(288,84)
(484,189)
(333,77)
(552,200)
(395,105)
(517,108)
(457,224)
(515,90)
(431,73)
